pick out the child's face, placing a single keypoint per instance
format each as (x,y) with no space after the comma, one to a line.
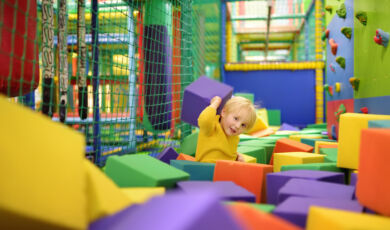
(233,123)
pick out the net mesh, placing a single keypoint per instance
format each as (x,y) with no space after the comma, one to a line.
(114,70)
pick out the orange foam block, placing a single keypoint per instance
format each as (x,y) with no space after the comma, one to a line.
(373,185)
(284,145)
(252,219)
(263,133)
(247,175)
(185,157)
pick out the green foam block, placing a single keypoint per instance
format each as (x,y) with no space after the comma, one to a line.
(317,126)
(273,117)
(330,154)
(313,166)
(189,143)
(312,142)
(268,208)
(269,147)
(249,96)
(196,170)
(142,171)
(257,152)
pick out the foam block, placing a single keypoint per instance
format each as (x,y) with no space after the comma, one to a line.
(353,179)
(110,221)
(247,175)
(257,152)
(139,170)
(298,137)
(268,208)
(259,125)
(273,117)
(139,195)
(226,190)
(294,158)
(189,143)
(313,166)
(197,97)
(248,159)
(249,96)
(312,142)
(263,132)
(330,154)
(324,144)
(185,157)
(325,218)
(379,124)
(289,127)
(350,128)
(253,219)
(167,155)
(104,196)
(312,188)
(296,209)
(176,211)
(277,180)
(288,145)
(42,173)
(373,186)
(196,170)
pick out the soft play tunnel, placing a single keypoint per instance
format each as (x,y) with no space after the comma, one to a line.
(157,65)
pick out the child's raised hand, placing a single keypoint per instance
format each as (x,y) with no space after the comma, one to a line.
(215,102)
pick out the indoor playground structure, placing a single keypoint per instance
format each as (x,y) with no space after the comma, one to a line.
(100,102)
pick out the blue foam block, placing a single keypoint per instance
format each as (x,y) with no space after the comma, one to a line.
(197,170)
(167,155)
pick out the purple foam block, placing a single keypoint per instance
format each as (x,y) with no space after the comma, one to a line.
(296,209)
(276,180)
(227,190)
(109,221)
(312,188)
(197,97)
(177,211)
(286,126)
(353,179)
(167,155)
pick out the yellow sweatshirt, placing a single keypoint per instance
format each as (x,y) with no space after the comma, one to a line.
(213,144)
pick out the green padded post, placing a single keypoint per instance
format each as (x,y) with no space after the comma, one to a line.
(141,170)
(273,117)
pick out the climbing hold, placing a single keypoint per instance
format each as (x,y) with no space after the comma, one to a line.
(341,61)
(381,38)
(362,17)
(354,83)
(329,9)
(342,11)
(337,87)
(340,111)
(364,110)
(333,46)
(325,34)
(332,68)
(347,31)
(328,89)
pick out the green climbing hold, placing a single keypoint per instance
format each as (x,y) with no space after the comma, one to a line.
(342,11)
(329,9)
(362,17)
(347,31)
(341,62)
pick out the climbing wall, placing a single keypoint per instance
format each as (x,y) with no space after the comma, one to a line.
(339,65)
(371,59)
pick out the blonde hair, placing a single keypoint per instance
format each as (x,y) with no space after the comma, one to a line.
(238,103)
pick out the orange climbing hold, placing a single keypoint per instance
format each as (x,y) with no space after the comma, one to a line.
(333,46)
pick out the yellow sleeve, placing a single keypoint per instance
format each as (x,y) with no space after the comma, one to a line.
(206,120)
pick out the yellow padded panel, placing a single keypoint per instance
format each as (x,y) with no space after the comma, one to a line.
(318,143)
(350,128)
(298,137)
(295,158)
(42,175)
(325,218)
(104,196)
(139,195)
(259,125)
(248,159)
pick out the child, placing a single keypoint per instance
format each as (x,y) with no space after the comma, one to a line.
(219,134)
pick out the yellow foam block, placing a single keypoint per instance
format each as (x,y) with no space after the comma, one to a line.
(318,143)
(259,125)
(42,176)
(104,196)
(294,158)
(141,195)
(286,132)
(263,114)
(350,128)
(325,218)
(248,159)
(298,137)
